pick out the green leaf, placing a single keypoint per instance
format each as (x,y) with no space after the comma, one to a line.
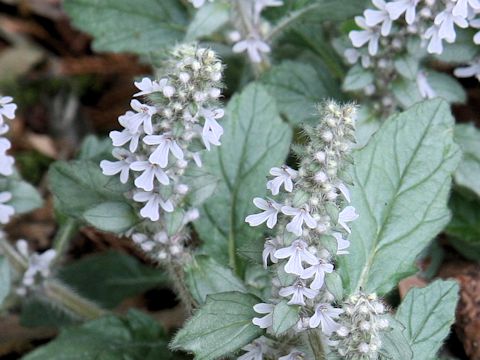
(122,276)
(135,337)
(284,317)
(394,343)
(427,315)
(407,66)
(464,228)
(333,282)
(208,19)
(467,174)
(357,78)
(83,192)
(25,197)
(4,279)
(95,149)
(297,87)
(223,325)
(255,140)
(401,185)
(139,26)
(114,217)
(204,276)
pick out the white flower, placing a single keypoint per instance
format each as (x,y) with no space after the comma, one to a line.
(7,108)
(197,158)
(473,69)
(344,190)
(424,87)
(150,172)
(254,351)
(262,4)
(212,130)
(270,213)
(166,144)
(6,161)
(298,292)
(254,46)
(367,35)
(293,355)
(318,270)
(342,244)
(198,3)
(120,138)
(381,16)
(269,249)
(267,320)
(147,86)
(6,211)
(121,166)
(398,7)
(447,21)
(462,6)
(324,315)
(283,175)
(299,217)
(143,115)
(296,253)
(38,264)
(475,23)
(346,215)
(435,45)
(154,201)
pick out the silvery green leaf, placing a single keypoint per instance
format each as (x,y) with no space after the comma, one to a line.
(464,228)
(402,180)
(208,19)
(139,26)
(255,140)
(222,326)
(112,216)
(4,279)
(357,78)
(333,282)
(95,149)
(462,50)
(25,197)
(297,87)
(468,172)
(394,343)
(204,276)
(284,317)
(407,66)
(427,315)
(366,125)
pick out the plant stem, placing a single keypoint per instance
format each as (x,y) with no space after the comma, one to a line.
(178,279)
(14,258)
(58,292)
(64,234)
(316,343)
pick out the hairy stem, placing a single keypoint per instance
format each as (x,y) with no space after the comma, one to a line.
(14,258)
(64,234)
(316,344)
(65,297)
(178,279)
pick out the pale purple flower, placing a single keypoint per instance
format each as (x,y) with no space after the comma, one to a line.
(398,7)
(473,69)
(367,35)
(446,22)
(298,291)
(299,217)
(267,320)
(254,351)
(6,211)
(262,4)
(147,86)
(154,202)
(166,144)
(435,45)
(344,191)
(462,6)
(283,176)
(475,23)
(381,16)
(347,215)
(296,253)
(197,159)
(121,166)
(270,212)
(120,138)
(150,172)
(324,315)
(212,130)
(342,244)
(198,3)
(6,161)
(38,264)
(424,87)
(269,249)
(293,355)
(318,270)
(254,46)
(142,116)
(7,108)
